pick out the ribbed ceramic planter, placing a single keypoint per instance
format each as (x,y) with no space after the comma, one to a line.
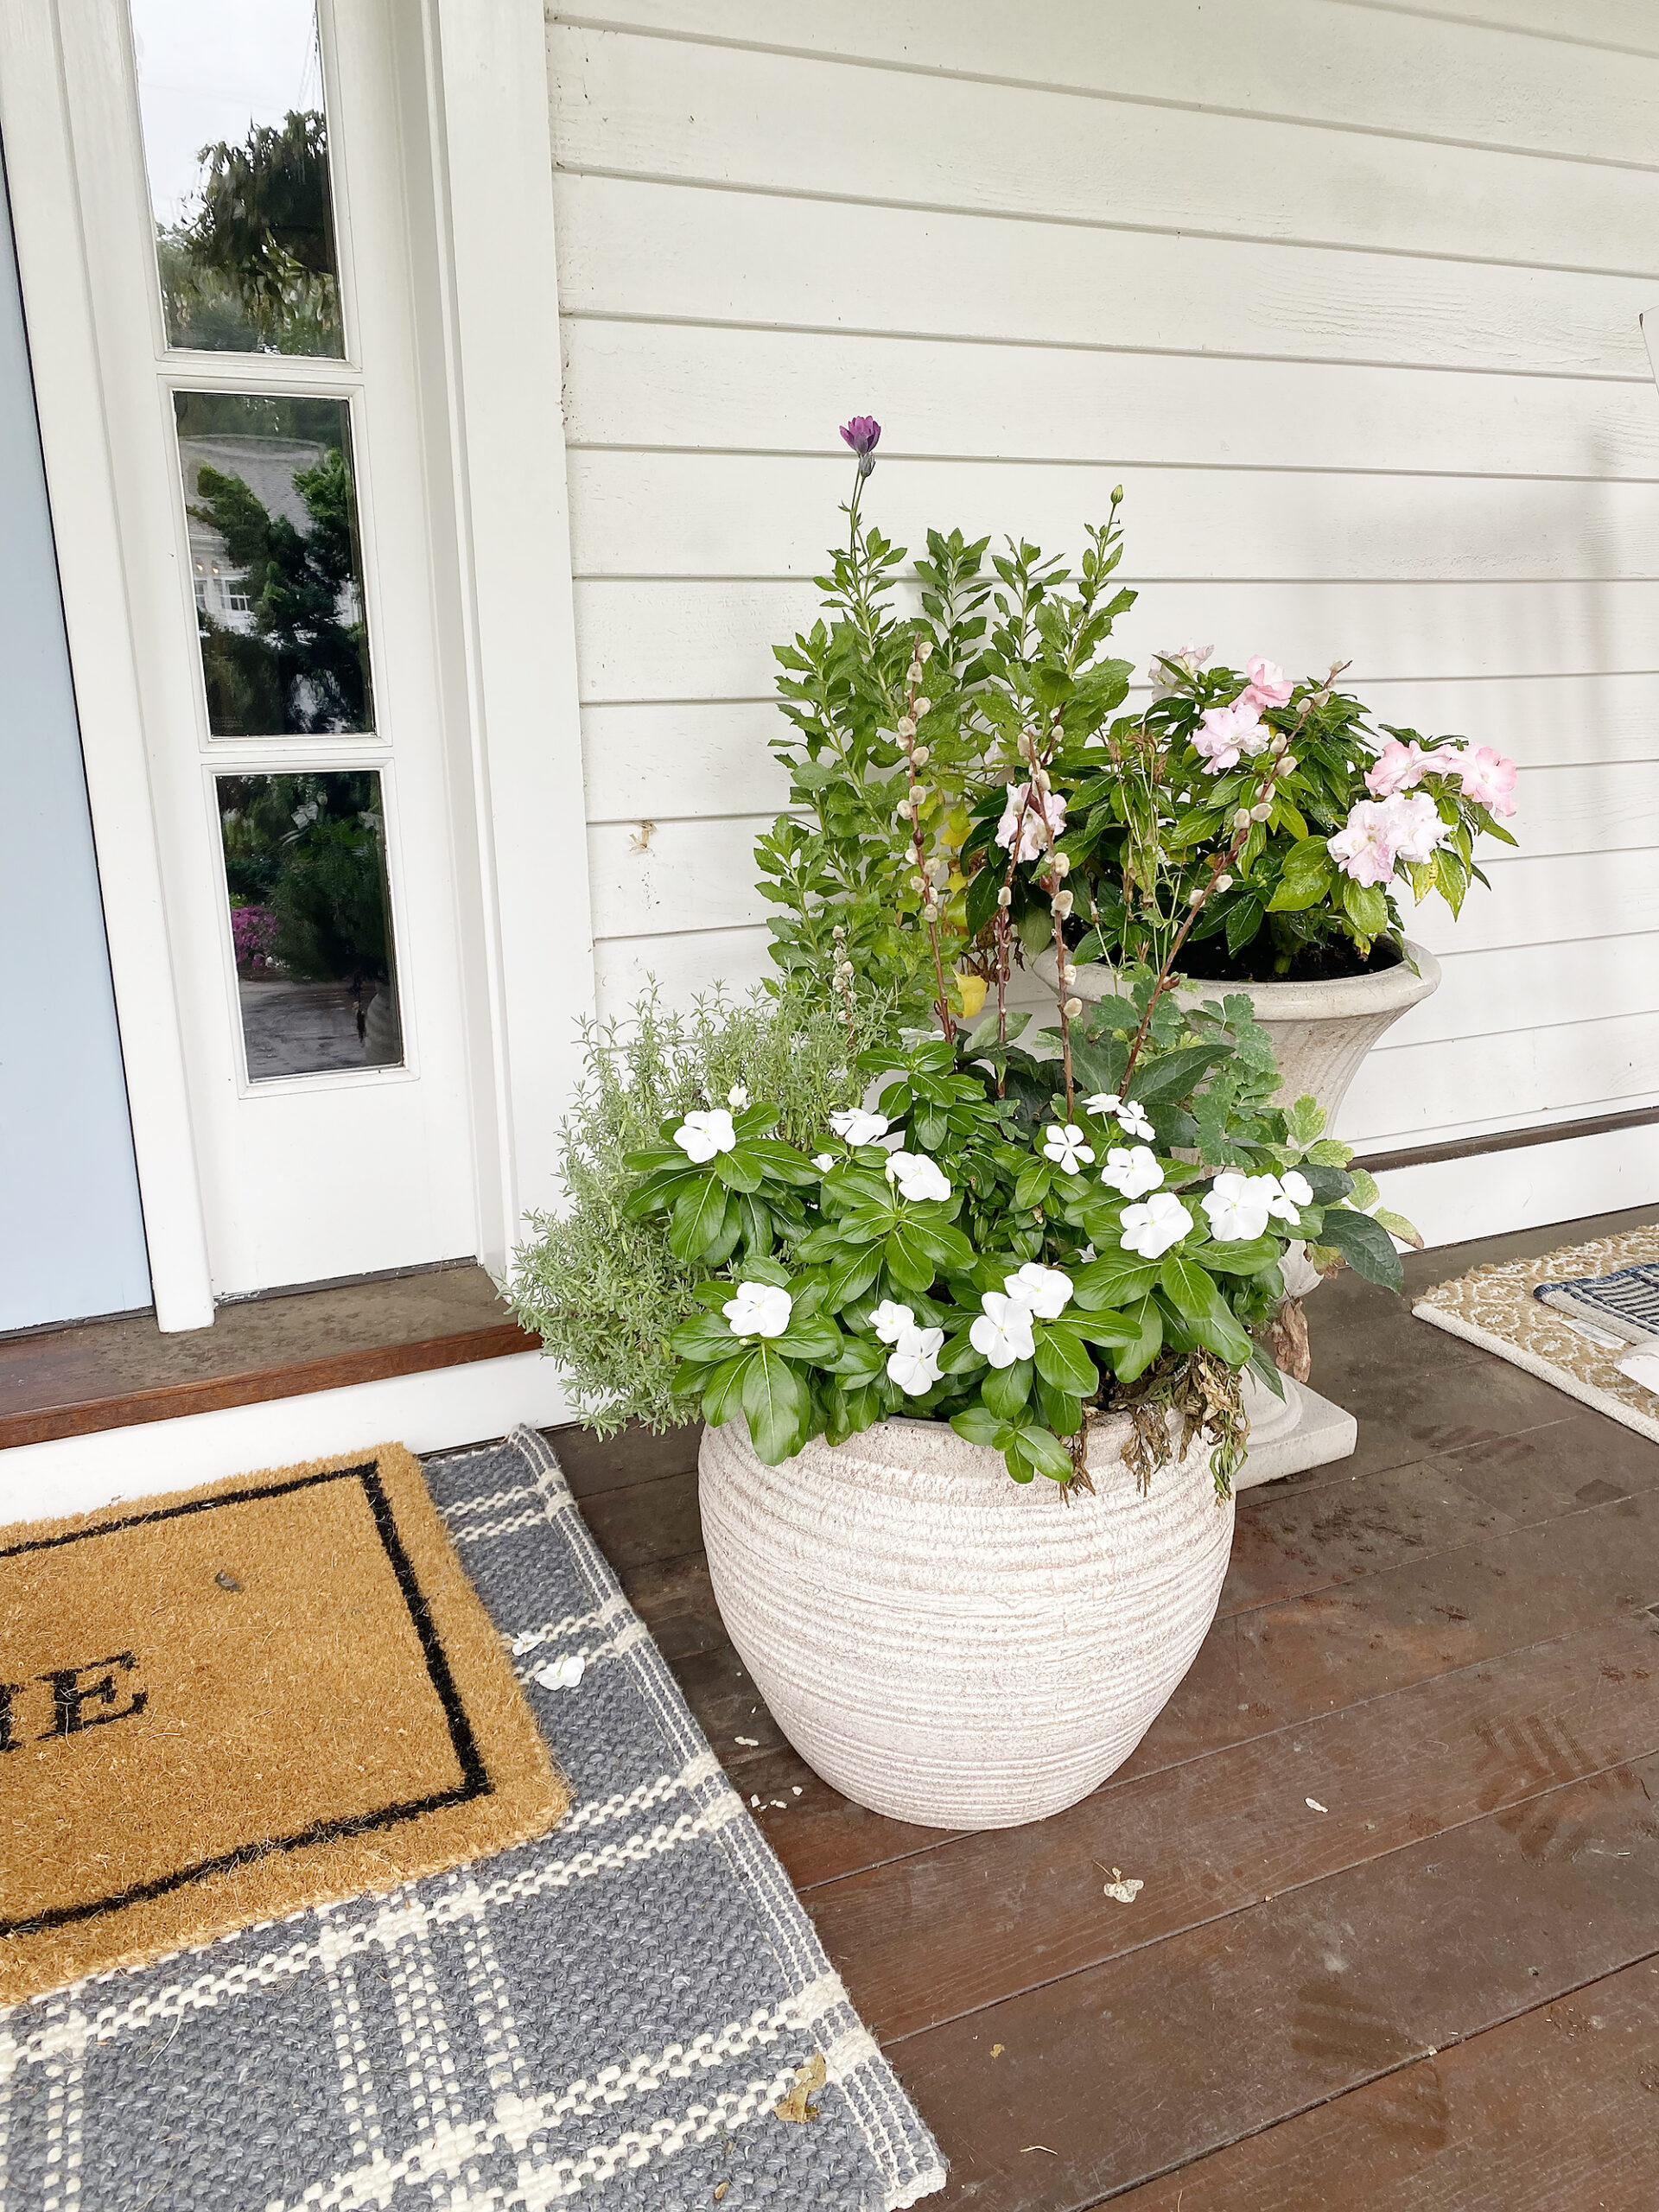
(1321,1032)
(947,1646)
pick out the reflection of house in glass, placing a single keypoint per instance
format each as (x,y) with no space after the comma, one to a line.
(276,563)
(268,467)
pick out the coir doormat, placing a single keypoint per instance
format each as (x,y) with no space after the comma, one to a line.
(223,1706)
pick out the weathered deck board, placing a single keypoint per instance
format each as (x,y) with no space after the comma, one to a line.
(1440,1992)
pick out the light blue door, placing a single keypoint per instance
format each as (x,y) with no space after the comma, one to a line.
(72,1236)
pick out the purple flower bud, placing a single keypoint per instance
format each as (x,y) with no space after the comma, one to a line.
(862,434)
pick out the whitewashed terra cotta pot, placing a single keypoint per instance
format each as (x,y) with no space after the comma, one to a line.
(945,1645)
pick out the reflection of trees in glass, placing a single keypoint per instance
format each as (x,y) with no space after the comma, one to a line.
(302,662)
(311,851)
(255,269)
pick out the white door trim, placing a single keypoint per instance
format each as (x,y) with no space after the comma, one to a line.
(493,161)
(472,94)
(54,261)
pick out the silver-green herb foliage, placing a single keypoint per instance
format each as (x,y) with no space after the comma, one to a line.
(599,1285)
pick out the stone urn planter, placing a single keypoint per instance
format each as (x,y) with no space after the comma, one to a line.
(1320,1031)
(946,1646)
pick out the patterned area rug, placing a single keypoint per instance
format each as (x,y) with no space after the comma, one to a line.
(614,2012)
(1496,1307)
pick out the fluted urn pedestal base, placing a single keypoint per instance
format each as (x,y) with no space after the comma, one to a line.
(1288,1436)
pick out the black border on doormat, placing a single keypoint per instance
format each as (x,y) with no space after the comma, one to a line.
(476,1781)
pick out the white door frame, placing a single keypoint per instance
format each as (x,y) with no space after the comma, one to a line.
(473,114)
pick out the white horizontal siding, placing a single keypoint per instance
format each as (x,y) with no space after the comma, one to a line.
(1345,296)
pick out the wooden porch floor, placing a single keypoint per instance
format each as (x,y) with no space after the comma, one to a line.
(1436,1987)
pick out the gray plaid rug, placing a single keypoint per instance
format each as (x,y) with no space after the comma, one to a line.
(611,2014)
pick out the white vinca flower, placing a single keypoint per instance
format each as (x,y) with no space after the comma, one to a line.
(1045,1290)
(1295,1191)
(1131,1115)
(824,1161)
(890,1321)
(760,1309)
(854,1126)
(1002,1333)
(1131,1175)
(1068,1148)
(917,1176)
(914,1364)
(1237,1206)
(738,1098)
(1152,1229)
(700,1136)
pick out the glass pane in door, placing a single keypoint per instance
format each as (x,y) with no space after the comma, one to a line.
(310,910)
(277,563)
(236,145)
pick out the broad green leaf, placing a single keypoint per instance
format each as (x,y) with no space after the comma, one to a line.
(1208,1317)
(1364,1243)
(1005,1389)
(704,1336)
(1242,1259)
(1063,1359)
(722,1389)
(1057,1409)
(851,1275)
(779,1160)
(1115,1279)
(908,1262)
(1032,1187)
(1173,1074)
(979,1425)
(1044,1451)
(1365,907)
(737,1171)
(812,1340)
(1137,1357)
(774,1401)
(699,1219)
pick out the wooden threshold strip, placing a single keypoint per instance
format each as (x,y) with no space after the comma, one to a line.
(252,1386)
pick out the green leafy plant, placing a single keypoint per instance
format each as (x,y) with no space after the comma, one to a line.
(900,723)
(600,1282)
(980,1273)
(1296,818)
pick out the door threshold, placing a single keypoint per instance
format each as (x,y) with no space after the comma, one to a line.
(91,1377)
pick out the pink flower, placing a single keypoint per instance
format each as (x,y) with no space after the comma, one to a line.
(1488,778)
(1396,768)
(1268,685)
(1227,732)
(1174,670)
(1414,827)
(1037,826)
(1365,847)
